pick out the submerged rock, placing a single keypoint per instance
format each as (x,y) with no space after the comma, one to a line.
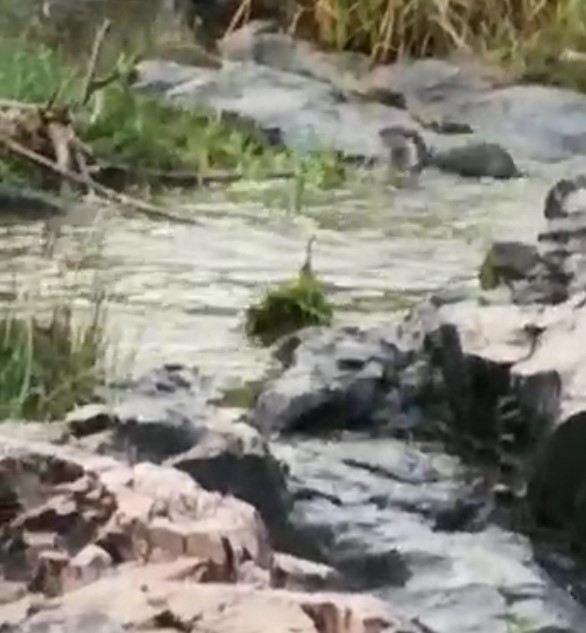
(477,160)
(18,202)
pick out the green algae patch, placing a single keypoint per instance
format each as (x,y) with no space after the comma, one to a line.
(292,306)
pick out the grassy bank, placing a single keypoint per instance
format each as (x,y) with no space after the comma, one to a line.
(49,362)
(527,37)
(124,127)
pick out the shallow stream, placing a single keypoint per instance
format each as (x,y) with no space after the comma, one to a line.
(177,294)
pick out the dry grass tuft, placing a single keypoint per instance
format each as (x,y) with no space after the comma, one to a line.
(387,29)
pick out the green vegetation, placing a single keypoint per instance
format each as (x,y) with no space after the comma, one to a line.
(49,365)
(289,307)
(32,73)
(142,131)
(489,276)
(147,133)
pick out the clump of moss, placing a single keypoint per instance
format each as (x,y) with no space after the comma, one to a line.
(49,365)
(289,307)
(489,276)
(506,263)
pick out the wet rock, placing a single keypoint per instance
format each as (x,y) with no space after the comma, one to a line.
(163,413)
(478,160)
(517,375)
(310,113)
(540,122)
(470,577)
(347,378)
(507,262)
(167,417)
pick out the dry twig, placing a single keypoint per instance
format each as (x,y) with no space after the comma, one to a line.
(147,209)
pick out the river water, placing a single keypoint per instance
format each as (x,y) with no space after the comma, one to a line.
(177,293)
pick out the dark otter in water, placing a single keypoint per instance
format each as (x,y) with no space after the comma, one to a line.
(409,155)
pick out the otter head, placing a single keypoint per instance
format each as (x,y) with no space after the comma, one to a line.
(408,153)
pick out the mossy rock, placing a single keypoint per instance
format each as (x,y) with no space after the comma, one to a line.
(506,262)
(289,307)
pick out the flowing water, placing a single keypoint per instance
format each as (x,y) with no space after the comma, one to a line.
(178,291)
(177,294)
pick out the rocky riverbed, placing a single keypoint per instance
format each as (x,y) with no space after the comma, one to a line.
(432,460)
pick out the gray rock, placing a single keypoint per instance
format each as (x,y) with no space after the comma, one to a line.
(562,245)
(477,160)
(261,43)
(349,378)
(521,372)
(540,122)
(167,416)
(310,113)
(508,262)
(232,458)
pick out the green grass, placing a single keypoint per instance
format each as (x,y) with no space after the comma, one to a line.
(142,131)
(32,73)
(145,132)
(49,364)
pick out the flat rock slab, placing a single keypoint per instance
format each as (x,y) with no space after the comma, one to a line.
(311,114)
(150,598)
(325,108)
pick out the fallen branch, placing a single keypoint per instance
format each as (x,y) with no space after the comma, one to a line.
(180,178)
(150,211)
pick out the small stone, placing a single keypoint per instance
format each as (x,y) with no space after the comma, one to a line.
(90,419)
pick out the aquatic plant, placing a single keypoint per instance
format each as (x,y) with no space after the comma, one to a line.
(49,363)
(289,307)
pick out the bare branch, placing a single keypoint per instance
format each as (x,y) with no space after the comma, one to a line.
(147,209)
(87,86)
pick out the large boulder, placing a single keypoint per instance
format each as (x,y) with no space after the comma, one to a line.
(310,113)
(374,379)
(69,516)
(530,121)
(167,416)
(91,544)
(166,597)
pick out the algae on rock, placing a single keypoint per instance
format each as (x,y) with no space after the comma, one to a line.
(289,307)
